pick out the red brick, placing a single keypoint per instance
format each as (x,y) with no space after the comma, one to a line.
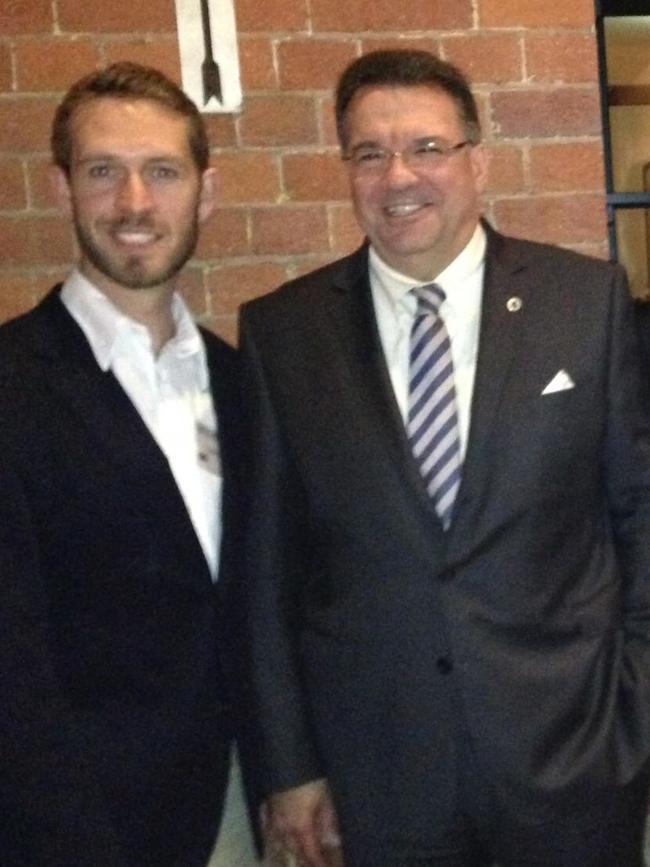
(562,111)
(313,63)
(275,15)
(569,219)
(223,326)
(118,16)
(16,295)
(327,121)
(533,13)
(486,58)
(256,63)
(225,234)
(231,285)
(279,120)
(561,57)
(35,241)
(289,231)
(506,171)
(315,177)
(12,186)
(567,166)
(383,43)
(307,264)
(248,177)
(192,288)
(5,68)
(345,232)
(25,124)
(598,251)
(53,64)
(40,190)
(222,129)
(45,280)
(160,52)
(355,15)
(18,17)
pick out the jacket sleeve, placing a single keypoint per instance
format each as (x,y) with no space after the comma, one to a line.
(626,463)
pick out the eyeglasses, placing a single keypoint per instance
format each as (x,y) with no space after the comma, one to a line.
(420,155)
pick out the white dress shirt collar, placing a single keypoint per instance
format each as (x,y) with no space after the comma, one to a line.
(171,393)
(109,331)
(396,286)
(395,307)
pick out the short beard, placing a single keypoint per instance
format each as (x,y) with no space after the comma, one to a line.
(132,274)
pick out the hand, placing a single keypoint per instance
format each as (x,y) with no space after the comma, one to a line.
(303,821)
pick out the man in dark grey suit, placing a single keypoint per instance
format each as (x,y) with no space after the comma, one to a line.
(118,451)
(448,548)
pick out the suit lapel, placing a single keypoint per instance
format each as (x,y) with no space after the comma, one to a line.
(99,404)
(224,384)
(503,312)
(359,347)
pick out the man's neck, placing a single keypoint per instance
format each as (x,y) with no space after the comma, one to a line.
(150,307)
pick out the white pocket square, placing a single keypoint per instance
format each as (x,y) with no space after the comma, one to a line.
(560,382)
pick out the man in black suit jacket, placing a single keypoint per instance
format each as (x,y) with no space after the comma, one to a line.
(118,443)
(447,676)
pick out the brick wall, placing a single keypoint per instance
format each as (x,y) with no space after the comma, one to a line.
(283,203)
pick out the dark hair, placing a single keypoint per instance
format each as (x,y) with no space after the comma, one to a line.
(128,81)
(406,68)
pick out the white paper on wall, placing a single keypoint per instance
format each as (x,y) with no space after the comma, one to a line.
(207,40)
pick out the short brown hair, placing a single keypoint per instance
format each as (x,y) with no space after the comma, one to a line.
(406,68)
(126,80)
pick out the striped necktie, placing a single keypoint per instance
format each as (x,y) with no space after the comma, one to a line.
(432,415)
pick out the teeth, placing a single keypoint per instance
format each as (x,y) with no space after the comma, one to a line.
(135,237)
(402,210)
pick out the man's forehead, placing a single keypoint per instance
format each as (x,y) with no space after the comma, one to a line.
(116,123)
(419,107)
(418,91)
(107,111)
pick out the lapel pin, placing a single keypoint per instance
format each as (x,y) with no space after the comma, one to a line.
(514,304)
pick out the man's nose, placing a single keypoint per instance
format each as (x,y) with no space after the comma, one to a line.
(134,194)
(398,170)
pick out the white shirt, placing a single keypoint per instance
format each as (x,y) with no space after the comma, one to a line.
(170,392)
(395,308)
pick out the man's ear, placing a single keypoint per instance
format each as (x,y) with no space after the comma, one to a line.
(60,184)
(208,193)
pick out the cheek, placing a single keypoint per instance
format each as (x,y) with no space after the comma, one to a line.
(90,208)
(365,200)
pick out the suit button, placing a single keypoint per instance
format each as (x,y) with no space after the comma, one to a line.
(444,665)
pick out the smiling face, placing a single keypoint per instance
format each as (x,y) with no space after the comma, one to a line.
(418,219)
(134,192)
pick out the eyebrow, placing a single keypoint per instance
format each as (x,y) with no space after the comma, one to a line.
(110,157)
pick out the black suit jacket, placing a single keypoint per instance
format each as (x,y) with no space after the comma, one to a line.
(383,650)
(115,728)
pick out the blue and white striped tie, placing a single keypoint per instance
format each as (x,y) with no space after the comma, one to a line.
(432,415)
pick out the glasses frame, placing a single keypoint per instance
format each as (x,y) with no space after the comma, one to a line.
(438,151)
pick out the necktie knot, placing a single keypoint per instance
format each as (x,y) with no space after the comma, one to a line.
(430,297)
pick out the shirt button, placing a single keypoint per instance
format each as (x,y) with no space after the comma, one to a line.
(444,665)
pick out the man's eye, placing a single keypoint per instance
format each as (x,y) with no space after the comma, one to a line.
(429,148)
(369,156)
(163,173)
(101,170)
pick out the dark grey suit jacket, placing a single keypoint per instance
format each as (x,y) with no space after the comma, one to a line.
(384,651)
(115,727)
